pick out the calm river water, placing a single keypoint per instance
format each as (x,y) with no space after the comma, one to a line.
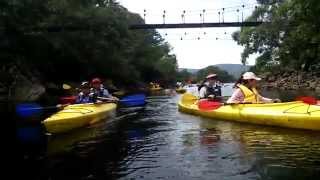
(158,142)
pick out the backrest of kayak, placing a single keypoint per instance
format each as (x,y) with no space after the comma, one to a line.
(68,100)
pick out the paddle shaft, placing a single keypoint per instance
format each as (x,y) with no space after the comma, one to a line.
(107,99)
(45,108)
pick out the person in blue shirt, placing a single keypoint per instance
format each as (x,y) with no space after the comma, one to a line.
(85,96)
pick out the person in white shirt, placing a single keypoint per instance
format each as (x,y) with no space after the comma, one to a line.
(209,89)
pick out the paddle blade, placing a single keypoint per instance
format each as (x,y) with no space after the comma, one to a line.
(188,98)
(66,86)
(208,105)
(134,97)
(133,103)
(134,100)
(27,110)
(308,100)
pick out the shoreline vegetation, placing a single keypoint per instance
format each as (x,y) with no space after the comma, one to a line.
(291,80)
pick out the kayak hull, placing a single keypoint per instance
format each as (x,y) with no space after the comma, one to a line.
(295,114)
(78,115)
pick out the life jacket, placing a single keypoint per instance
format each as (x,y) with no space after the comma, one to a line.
(215,90)
(84,98)
(99,93)
(250,96)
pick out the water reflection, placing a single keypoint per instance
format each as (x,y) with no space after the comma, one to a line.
(209,137)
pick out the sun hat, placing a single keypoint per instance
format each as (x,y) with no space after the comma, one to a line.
(250,75)
(211,76)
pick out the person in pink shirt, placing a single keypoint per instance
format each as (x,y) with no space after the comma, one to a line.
(246,91)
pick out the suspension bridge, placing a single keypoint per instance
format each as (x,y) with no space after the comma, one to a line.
(195,25)
(220,13)
(204,18)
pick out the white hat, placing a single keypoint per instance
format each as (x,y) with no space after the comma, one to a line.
(250,75)
(211,76)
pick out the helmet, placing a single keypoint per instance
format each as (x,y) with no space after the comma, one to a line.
(96,81)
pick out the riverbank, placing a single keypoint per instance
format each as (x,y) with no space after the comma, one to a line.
(291,80)
(20,87)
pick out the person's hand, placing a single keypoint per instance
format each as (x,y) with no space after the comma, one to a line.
(61,106)
(99,102)
(276,100)
(115,98)
(211,97)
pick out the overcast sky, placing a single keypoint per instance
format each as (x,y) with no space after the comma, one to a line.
(191,52)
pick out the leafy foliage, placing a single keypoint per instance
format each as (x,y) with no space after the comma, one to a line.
(74,40)
(290,39)
(184,76)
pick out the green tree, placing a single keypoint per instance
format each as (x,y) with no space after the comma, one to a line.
(72,40)
(223,76)
(289,39)
(184,76)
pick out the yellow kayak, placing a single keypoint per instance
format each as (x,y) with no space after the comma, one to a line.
(180,90)
(77,115)
(294,114)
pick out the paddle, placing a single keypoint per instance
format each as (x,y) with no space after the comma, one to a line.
(30,109)
(206,104)
(132,100)
(66,86)
(308,100)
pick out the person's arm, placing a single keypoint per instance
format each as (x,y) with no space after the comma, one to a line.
(202,93)
(268,100)
(265,100)
(107,94)
(236,97)
(93,97)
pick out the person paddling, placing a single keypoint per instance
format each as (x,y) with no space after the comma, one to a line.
(210,89)
(246,91)
(101,93)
